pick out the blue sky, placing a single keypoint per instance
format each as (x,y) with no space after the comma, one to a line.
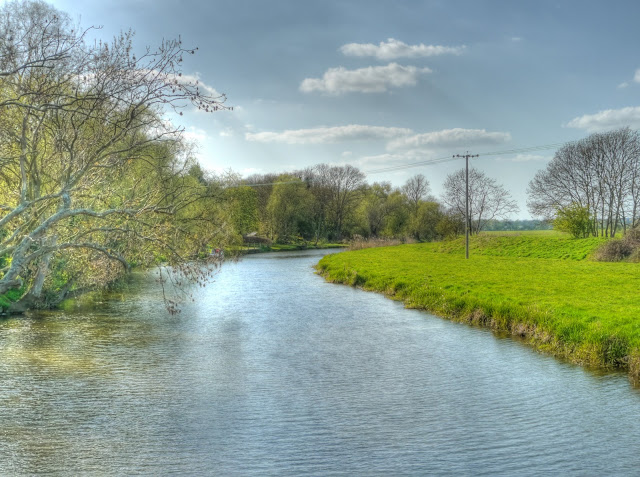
(380,84)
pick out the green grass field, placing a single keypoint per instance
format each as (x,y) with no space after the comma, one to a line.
(541,287)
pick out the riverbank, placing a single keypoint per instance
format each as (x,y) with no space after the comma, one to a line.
(285,248)
(551,296)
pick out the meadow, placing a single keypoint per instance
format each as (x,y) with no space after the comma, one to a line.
(540,287)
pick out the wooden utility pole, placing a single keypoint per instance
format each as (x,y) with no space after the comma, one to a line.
(467,221)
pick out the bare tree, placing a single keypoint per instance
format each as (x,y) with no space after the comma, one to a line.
(599,173)
(416,189)
(342,187)
(89,162)
(488,200)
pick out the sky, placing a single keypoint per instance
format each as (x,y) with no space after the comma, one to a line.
(386,85)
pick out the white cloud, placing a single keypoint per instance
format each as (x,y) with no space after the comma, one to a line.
(449,138)
(195,134)
(608,119)
(323,135)
(391,159)
(227,132)
(373,79)
(636,79)
(393,49)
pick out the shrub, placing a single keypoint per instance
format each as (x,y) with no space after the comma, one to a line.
(574,219)
(627,248)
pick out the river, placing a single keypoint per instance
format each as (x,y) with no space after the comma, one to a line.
(272,371)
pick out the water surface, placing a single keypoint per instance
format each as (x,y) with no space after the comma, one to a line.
(272,371)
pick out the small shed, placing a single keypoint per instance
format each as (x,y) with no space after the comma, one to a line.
(252,240)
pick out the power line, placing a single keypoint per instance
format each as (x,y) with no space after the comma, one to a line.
(439,160)
(544,147)
(426,162)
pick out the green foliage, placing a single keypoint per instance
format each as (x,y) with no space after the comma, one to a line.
(574,219)
(450,225)
(243,207)
(10,297)
(94,178)
(423,224)
(583,310)
(289,208)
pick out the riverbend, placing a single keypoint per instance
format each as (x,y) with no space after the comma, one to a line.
(273,371)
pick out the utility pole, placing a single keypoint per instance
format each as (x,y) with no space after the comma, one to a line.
(467,221)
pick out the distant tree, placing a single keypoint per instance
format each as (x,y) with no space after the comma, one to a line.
(450,225)
(242,205)
(342,186)
(289,209)
(375,208)
(424,224)
(399,215)
(416,189)
(488,200)
(601,173)
(263,185)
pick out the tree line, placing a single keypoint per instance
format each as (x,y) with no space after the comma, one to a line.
(335,203)
(592,186)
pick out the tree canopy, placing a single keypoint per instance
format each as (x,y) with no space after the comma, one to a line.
(93,177)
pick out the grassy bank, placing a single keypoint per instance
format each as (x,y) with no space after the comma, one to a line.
(540,288)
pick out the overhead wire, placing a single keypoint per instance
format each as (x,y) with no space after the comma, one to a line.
(439,160)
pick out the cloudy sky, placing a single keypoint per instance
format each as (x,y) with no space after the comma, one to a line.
(382,85)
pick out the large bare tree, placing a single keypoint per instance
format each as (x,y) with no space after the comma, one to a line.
(600,173)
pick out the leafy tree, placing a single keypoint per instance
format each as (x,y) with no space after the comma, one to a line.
(93,176)
(398,215)
(574,219)
(243,207)
(424,223)
(450,225)
(288,209)
(374,209)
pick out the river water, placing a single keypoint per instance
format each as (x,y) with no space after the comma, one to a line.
(272,371)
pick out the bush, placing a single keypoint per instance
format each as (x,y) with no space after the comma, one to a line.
(627,248)
(574,219)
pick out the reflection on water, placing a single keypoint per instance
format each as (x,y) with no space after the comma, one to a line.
(271,371)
